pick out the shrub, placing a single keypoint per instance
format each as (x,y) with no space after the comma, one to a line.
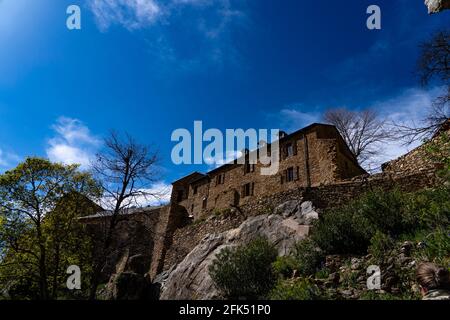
(380,245)
(431,208)
(349,229)
(308,257)
(284,266)
(436,246)
(298,289)
(245,271)
(341,232)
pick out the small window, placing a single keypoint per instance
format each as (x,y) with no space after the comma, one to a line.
(204,203)
(220,179)
(195,189)
(192,208)
(290,150)
(248,189)
(290,174)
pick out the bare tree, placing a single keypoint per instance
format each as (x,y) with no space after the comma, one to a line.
(433,64)
(127,171)
(363,131)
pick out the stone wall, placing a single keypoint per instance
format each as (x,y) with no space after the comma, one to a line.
(134,235)
(418,158)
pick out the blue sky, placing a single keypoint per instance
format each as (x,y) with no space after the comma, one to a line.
(149,67)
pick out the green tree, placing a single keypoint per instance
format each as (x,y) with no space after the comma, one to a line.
(35,223)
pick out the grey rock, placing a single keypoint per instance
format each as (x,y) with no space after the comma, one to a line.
(287,208)
(190,279)
(303,212)
(306,213)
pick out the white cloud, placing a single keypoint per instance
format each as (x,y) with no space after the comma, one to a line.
(8,159)
(159,193)
(73,143)
(409,107)
(132,14)
(294,117)
(198,20)
(221,158)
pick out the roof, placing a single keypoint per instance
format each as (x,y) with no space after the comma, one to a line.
(191,177)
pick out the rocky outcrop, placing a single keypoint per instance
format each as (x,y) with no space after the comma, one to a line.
(190,279)
(435,6)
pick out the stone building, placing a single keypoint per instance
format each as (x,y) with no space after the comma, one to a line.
(312,156)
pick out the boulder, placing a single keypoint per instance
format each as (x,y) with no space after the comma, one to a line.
(190,279)
(303,212)
(287,208)
(306,213)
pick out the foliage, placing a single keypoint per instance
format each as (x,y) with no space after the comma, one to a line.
(349,230)
(284,266)
(380,245)
(40,202)
(245,271)
(297,289)
(308,257)
(435,246)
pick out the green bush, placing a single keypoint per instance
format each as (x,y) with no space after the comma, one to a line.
(349,229)
(436,246)
(298,289)
(284,266)
(380,245)
(341,232)
(308,257)
(245,271)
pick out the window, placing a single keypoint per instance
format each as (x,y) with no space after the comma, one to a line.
(290,150)
(195,189)
(290,174)
(204,203)
(248,189)
(220,179)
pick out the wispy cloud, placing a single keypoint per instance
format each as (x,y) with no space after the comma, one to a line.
(222,158)
(8,159)
(408,107)
(206,23)
(294,116)
(73,143)
(131,14)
